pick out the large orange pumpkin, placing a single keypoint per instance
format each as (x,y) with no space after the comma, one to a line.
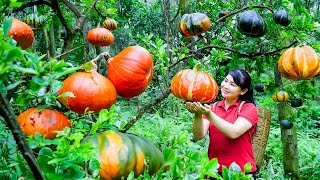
(131,71)
(91,91)
(22,33)
(100,37)
(299,63)
(120,153)
(191,85)
(46,122)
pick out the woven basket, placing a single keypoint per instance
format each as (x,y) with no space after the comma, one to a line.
(260,138)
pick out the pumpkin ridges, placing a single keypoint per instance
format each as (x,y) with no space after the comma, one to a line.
(100,37)
(120,153)
(194,24)
(299,63)
(194,86)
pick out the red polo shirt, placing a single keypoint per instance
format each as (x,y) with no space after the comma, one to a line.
(237,150)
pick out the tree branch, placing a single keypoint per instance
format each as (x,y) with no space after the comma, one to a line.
(250,55)
(144,108)
(34,3)
(8,115)
(71,7)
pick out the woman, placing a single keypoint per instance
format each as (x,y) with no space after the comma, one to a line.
(230,130)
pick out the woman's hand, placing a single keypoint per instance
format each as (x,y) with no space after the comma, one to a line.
(198,108)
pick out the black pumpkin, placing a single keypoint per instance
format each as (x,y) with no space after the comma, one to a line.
(221,14)
(296,102)
(260,87)
(251,24)
(286,124)
(281,17)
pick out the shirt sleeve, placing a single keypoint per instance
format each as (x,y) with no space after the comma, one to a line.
(249,112)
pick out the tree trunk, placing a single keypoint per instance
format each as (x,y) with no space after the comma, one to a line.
(288,138)
(46,37)
(52,43)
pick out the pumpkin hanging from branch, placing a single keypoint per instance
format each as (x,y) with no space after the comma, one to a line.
(35,21)
(131,71)
(90,92)
(191,85)
(251,24)
(46,122)
(194,24)
(121,153)
(299,63)
(100,37)
(281,17)
(22,33)
(110,24)
(280,96)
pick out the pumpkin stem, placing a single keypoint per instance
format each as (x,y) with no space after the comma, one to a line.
(92,65)
(195,67)
(203,39)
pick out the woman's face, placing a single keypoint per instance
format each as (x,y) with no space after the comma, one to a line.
(229,89)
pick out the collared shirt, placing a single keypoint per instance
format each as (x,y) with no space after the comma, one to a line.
(237,150)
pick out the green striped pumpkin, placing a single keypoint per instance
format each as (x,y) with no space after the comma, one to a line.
(120,153)
(194,24)
(110,24)
(35,21)
(251,24)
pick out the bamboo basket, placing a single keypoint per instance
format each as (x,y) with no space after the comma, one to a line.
(260,137)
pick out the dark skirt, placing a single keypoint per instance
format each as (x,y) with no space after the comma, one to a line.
(252,173)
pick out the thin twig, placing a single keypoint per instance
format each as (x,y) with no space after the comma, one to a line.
(67,52)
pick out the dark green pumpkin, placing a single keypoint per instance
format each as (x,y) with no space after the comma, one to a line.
(194,24)
(121,153)
(296,102)
(286,124)
(221,14)
(260,87)
(281,17)
(251,24)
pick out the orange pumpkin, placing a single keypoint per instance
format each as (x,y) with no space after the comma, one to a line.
(100,37)
(22,33)
(131,71)
(299,63)
(91,91)
(46,122)
(190,85)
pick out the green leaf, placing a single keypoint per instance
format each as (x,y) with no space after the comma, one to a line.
(225,173)
(247,167)
(12,86)
(7,25)
(169,157)
(183,137)
(235,167)
(45,154)
(25,70)
(12,55)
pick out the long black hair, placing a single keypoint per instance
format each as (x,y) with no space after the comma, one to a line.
(243,80)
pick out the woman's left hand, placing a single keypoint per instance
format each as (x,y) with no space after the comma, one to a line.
(199,108)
